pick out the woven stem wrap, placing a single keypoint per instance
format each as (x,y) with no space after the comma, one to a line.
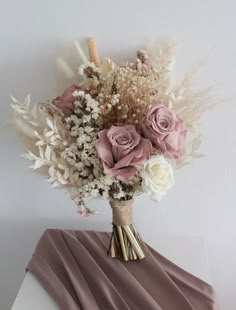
(122,212)
(125,241)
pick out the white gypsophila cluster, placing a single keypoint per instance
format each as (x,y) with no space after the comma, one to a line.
(107,187)
(99,187)
(90,74)
(81,155)
(83,126)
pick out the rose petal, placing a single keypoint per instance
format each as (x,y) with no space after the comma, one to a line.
(124,174)
(65,102)
(103,148)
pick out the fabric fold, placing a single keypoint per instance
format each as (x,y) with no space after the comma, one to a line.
(74,269)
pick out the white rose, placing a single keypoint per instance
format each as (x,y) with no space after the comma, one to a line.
(158,177)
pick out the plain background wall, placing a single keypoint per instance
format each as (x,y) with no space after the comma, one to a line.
(32,35)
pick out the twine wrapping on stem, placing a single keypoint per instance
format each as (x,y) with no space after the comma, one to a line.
(125,240)
(122,212)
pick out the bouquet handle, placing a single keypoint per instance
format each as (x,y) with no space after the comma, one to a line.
(126,242)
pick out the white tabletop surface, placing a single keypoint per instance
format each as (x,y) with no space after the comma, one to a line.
(187,252)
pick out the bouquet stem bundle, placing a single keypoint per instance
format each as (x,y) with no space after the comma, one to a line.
(125,243)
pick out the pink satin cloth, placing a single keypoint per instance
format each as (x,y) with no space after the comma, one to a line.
(75,270)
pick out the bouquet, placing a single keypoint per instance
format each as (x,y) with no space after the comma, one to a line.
(117,130)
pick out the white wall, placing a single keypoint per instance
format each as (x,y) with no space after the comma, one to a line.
(32,34)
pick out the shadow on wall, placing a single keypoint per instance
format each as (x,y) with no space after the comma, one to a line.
(18,240)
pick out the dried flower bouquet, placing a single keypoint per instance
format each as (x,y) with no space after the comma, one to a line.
(117,130)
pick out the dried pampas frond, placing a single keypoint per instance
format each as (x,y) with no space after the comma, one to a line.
(190,151)
(162,56)
(80,54)
(93,52)
(74,58)
(107,67)
(66,69)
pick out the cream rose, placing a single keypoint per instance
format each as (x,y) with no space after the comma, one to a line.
(158,177)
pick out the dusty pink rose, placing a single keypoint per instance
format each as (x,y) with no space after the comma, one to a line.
(121,149)
(144,57)
(65,102)
(165,129)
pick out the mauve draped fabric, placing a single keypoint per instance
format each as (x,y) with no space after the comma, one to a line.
(75,270)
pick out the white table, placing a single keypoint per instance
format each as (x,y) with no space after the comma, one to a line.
(187,252)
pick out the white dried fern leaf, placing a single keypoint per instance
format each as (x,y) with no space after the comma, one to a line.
(45,139)
(25,118)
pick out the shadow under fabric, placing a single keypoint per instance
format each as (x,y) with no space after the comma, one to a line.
(74,269)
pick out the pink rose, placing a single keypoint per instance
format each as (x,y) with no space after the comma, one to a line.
(165,129)
(144,57)
(121,149)
(65,102)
